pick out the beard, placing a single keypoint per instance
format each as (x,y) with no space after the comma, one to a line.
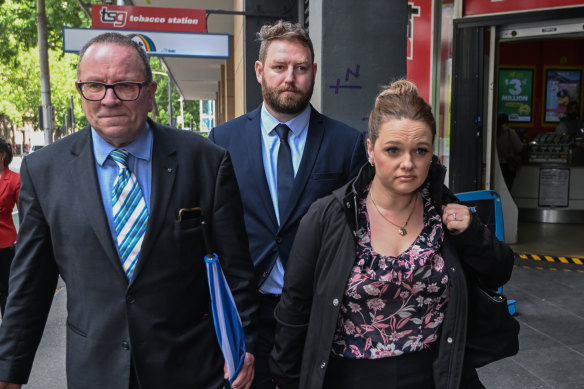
(286,104)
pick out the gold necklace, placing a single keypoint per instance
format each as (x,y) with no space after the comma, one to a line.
(401,230)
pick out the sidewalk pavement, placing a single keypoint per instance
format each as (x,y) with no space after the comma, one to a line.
(551,340)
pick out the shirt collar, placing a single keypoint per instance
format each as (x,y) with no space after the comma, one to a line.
(298,124)
(140,148)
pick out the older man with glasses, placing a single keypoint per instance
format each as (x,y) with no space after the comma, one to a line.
(100,208)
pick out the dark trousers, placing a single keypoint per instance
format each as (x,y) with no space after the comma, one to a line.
(6,255)
(408,371)
(263,378)
(135,385)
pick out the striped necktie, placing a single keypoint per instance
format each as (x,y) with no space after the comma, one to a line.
(130,213)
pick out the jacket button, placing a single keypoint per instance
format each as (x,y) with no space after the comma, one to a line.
(125,345)
(449,339)
(279,239)
(265,274)
(335,302)
(348,204)
(131,299)
(322,365)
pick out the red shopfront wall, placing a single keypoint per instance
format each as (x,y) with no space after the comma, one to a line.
(419,60)
(483,7)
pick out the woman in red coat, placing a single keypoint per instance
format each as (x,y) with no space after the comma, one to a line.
(9,187)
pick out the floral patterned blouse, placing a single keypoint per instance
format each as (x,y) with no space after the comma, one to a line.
(393,305)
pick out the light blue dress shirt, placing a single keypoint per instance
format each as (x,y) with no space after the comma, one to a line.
(139,162)
(270,146)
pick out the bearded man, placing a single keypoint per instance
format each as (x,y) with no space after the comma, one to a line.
(285,155)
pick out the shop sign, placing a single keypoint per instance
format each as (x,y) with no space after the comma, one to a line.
(561,87)
(481,7)
(554,187)
(516,94)
(167,44)
(419,46)
(148,18)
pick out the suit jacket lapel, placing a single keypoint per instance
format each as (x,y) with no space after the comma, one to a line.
(164,167)
(255,154)
(313,142)
(82,168)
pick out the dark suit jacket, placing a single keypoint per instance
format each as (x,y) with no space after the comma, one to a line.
(162,317)
(333,154)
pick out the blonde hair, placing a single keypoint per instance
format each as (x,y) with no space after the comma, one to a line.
(400,100)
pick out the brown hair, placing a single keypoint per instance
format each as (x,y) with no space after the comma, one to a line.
(122,40)
(292,32)
(400,100)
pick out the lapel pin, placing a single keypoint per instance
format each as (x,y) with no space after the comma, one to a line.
(170,170)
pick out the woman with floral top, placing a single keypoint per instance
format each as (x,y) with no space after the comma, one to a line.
(375,291)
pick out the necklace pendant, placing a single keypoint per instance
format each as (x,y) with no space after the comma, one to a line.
(402,231)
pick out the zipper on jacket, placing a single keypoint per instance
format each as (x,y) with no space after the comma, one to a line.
(355,213)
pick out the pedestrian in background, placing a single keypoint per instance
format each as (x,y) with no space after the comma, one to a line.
(509,148)
(571,124)
(9,188)
(375,289)
(114,209)
(286,155)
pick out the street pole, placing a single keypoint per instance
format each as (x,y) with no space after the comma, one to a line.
(182,112)
(46,108)
(169,101)
(72,116)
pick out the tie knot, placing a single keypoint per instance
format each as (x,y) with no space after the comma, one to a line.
(282,131)
(120,157)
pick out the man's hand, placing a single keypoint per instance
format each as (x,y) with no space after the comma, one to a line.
(8,385)
(243,379)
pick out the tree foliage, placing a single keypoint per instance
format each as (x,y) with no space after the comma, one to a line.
(18,27)
(19,59)
(20,86)
(20,94)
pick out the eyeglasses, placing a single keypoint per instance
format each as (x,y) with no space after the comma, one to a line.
(125,91)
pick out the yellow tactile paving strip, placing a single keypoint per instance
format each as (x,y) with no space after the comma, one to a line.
(548,262)
(549,258)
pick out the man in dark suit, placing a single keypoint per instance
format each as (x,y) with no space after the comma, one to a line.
(140,320)
(286,155)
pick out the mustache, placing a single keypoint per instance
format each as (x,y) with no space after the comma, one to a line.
(288,88)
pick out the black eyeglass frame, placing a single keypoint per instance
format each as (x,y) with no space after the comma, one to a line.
(112,87)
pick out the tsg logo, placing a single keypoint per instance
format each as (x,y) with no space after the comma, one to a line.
(117,18)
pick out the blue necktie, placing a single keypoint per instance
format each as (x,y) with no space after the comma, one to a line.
(130,213)
(285,178)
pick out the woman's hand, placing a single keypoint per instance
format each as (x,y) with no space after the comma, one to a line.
(456,217)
